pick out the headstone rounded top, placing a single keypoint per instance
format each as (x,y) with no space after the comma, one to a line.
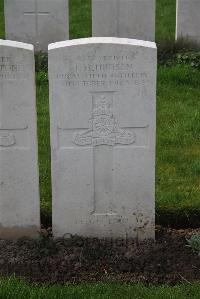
(102,40)
(15,44)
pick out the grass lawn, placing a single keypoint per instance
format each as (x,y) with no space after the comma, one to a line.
(14,289)
(165,19)
(2,30)
(80,18)
(178,143)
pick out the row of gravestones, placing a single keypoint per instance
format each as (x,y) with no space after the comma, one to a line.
(102,114)
(41,22)
(102,108)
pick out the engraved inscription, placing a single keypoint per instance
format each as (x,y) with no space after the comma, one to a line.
(103,127)
(102,71)
(10,70)
(7,140)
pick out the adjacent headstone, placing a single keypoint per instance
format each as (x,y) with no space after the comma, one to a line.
(103,107)
(188,20)
(39,22)
(19,195)
(124,18)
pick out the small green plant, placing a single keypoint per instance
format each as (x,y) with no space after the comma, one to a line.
(41,62)
(46,244)
(194,243)
(183,51)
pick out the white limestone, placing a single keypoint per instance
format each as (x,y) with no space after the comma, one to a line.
(102,109)
(188,20)
(124,18)
(19,190)
(39,22)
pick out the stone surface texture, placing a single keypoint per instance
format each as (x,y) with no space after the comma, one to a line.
(124,18)
(38,22)
(19,187)
(188,19)
(103,108)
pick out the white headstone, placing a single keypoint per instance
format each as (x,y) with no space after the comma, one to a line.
(188,19)
(39,22)
(103,106)
(124,18)
(19,190)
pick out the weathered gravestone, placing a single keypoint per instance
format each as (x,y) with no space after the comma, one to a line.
(103,106)
(39,22)
(124,18)
(188,19)
(19,195)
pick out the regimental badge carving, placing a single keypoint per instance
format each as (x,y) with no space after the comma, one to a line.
(8,140)
(103,127)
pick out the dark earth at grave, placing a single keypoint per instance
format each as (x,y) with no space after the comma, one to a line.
(168,260)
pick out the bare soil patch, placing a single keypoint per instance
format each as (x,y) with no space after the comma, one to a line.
(167,260)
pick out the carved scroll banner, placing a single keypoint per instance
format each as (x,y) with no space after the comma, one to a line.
(6,141)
